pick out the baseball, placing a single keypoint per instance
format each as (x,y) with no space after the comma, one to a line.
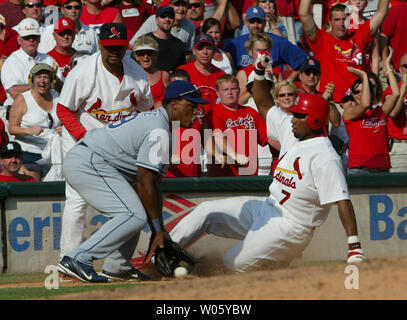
(180,272)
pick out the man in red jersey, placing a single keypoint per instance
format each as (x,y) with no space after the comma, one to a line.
(339,47)
(64,35)
(94,14)
(11,158)
(237,131)
(202,72)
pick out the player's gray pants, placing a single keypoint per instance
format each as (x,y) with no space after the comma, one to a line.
(267,237)
(105,189)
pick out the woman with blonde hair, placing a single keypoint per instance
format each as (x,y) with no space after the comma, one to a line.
(145,51)
(255,44)
(285,94)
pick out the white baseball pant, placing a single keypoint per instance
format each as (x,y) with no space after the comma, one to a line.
(267,238)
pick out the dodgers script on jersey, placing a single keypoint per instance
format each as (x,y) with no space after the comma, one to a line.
(309,176)
(99,97)
(140,140)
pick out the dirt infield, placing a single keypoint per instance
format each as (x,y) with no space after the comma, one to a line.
(383,279)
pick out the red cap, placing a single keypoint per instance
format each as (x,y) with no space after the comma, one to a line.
(63,24)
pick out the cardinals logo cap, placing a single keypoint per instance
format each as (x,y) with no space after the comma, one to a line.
(113,34)
(63,24)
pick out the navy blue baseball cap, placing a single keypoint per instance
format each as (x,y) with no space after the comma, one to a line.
(310,64)
(185,90)
(113,34)
(255,12)
(203,38)
(165,10)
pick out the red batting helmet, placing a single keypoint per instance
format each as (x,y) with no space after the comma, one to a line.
(315,107)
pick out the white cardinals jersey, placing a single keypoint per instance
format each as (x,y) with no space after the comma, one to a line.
(98,97)
(309,176)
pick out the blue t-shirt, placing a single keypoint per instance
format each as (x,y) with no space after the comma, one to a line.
(283,52)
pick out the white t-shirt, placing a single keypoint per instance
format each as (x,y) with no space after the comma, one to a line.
(98,97)
(309,176)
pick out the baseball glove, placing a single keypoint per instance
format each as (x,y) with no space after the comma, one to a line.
(168,258)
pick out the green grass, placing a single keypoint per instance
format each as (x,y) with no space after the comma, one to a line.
(42,292)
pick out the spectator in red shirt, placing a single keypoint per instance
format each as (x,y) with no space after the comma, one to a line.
(397,122)
(202,72)
(94,14)
(339,48)
(366,123)
(393,30)
(134,13)
(64,35)
(11,157)
(11,10)
(8,44)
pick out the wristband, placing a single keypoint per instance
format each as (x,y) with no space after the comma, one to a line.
(157,225)
(353,239)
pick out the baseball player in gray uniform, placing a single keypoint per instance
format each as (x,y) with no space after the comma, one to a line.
(102,168)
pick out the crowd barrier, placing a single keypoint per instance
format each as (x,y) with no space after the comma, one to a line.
(31,215)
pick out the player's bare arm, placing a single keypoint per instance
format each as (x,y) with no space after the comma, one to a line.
(378,18)
(307,19)
(149,192)
(261,91)
(391,100)
(358,110)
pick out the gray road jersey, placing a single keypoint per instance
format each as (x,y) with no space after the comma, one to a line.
(143,139)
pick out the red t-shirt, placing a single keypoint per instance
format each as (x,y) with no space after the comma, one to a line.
(240,121)
(394,27)
(397,128)
(368,140)
(207,84)
(107,15)
(188,147)
(20,178)
(63,61)
(335,54)
(134,16)
(286,8)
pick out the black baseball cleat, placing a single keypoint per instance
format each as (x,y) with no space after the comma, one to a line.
(130,275)
(79,270)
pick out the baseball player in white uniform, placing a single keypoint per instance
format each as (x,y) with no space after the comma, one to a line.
(105,87)
(307,181)
(103,166)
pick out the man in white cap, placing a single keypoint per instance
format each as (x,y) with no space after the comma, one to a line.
(16,69)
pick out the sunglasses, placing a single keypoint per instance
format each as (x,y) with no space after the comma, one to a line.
(265,1)
(194,5)
(69,7)
(288,94)
(255,20)
(347,98)
(311,71)
(356,91)
(51,121)
(167,15)
(33,37)
(404,65)
(32,5)
(143,53)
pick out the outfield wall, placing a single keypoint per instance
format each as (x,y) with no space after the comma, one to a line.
(31,216)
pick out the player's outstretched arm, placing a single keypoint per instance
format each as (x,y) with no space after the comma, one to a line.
(348,219)
(149,192)
(261,93)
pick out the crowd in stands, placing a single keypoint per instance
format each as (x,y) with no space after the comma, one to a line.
(357,62)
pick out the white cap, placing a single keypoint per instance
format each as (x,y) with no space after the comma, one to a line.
(251,78)
(2,20)
(28,27)
(145,47)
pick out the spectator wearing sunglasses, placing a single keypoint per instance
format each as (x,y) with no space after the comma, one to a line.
(182,28)
(366,123)
(85,37)
(145,51)
(397,122)
(16,69)
(33,119)
(12,12)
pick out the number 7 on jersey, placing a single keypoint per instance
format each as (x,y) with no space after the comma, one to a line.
(287,196)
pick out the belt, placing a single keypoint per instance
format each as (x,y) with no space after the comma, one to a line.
(399,141)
